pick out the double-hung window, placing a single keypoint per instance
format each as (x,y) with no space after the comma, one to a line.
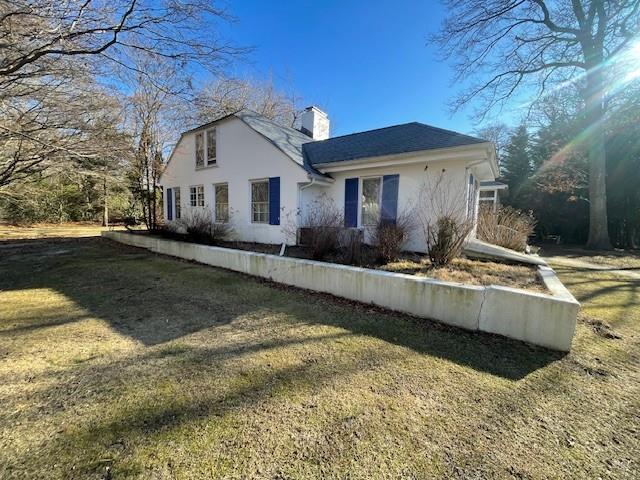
(221,195)
(260,201)
(196,196)
(206,148)
(211,146)
(371,193)
(199,150)
(177,201)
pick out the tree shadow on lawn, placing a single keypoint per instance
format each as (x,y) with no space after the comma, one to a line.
(89,443)
(155,299)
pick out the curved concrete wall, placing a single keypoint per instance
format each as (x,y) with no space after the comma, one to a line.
(546,320)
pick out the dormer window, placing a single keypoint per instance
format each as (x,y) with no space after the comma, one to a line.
(199,150)
(211,146)
(206,148)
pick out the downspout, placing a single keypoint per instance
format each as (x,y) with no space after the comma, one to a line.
(300,188)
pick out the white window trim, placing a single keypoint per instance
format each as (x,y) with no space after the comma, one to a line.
(205,143)
(215,202)
(251,182)
(204,202)
(361,194)
(176,201)
(208,162)
(204,150)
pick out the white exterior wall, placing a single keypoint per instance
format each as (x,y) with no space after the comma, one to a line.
(412,180)
(242,155)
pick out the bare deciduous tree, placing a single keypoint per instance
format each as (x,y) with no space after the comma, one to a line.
(496,132)
(543,44)
(55,125)
(58,58)
(36,33)
(155,109)
(230,95)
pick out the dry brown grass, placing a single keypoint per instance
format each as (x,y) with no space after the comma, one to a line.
(156,368)
(48,230)
(469,271)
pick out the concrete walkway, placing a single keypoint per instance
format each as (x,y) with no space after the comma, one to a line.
(581,264)
(486,251)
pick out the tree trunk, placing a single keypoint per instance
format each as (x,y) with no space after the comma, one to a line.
(105,210)
(594,135)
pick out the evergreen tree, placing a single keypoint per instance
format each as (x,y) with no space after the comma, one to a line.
(516,165)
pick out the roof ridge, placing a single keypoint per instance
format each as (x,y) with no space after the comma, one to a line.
(366,131)
(402,125)
(449,131)
(265,118)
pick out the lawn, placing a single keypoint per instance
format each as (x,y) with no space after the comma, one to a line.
(114,358)
(623,259)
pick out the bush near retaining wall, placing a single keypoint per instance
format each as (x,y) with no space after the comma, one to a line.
(545,320)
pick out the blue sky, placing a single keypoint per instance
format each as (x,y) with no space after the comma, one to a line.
(367,63)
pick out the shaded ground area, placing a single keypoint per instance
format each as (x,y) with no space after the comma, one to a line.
(114,357)
(621,259)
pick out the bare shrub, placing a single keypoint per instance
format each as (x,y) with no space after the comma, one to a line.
(323,222)
(388,237)
(445,221)
(505,226)
(351,241)
(445,239)
(200,227)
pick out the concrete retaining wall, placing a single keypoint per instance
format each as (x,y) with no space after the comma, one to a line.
(546,320)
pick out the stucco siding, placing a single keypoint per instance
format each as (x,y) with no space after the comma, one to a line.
(414,180)
(242,155)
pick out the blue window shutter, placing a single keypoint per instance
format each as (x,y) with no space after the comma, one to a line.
(389,208)
(169,204)
(351,202)
(274,201)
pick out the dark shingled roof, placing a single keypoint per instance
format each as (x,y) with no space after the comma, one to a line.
(302,149)
(409,137)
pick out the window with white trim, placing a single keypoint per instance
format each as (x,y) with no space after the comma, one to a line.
(206,148)
(199,150)
(211,146)
(260,201)
(221,196)
(371,195)
(196,196)
(177,201)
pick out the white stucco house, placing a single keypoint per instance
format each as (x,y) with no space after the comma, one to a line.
(248,170)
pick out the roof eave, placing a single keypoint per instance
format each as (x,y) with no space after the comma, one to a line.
(450,153)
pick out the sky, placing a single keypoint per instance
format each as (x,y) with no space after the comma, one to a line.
(366,63)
